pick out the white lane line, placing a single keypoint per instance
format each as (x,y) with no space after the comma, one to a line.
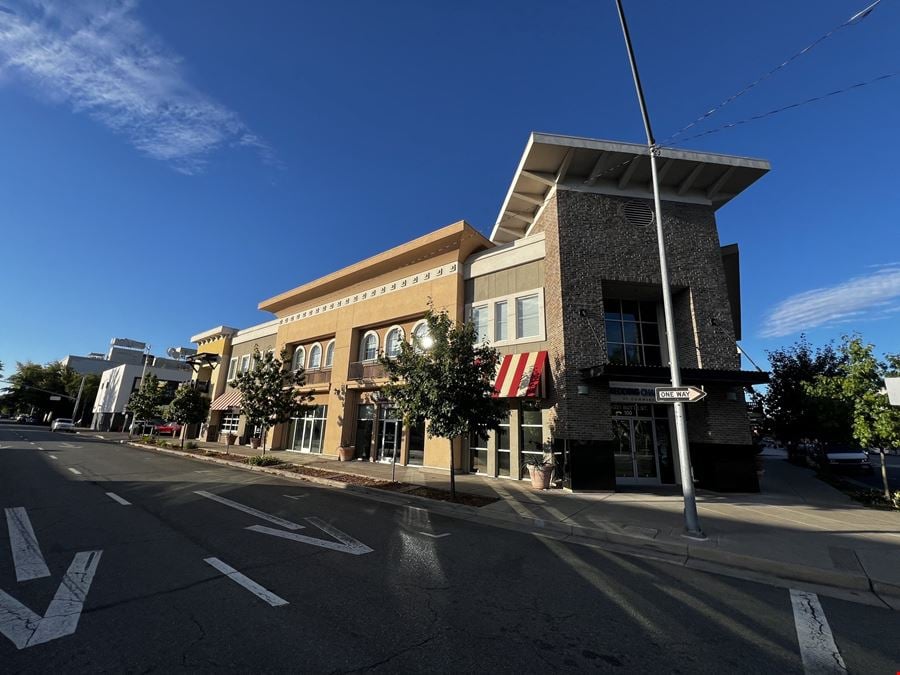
(75,471)
(40,448)
(817,648)
(52,456)
(27,556)
(295,497)
(249,509)
(117,498)
(246,582)
(436,536)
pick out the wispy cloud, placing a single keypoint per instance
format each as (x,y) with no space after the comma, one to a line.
(97,56)
(864,298)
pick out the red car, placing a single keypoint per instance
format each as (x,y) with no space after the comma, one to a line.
(172,428)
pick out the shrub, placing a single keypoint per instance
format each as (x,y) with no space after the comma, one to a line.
(263,460)
(191,445)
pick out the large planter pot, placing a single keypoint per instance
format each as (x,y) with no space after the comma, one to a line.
(346,453)
(540,476)
(230,439)
(254,442)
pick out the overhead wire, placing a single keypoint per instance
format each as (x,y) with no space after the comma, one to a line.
(856,18)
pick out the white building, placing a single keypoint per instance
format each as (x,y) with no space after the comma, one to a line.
(116,385)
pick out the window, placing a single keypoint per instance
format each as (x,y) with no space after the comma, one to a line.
(420,337)
(245,363)
(478,452)
(501,321)
(503,448)
(230,423)
(527,318)
(298,361)
(329,354)
(632,333)
(232,367)
(532,432)
(392,342)
(368,350)
(480,321)
(315,357)
(308,430)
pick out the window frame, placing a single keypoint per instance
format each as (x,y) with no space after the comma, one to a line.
(487,307)
(298,349)
(387,340)
(511,307)
(413,337)
(232,369)
(245,359)
(312,348)
(362,346)
(329,355)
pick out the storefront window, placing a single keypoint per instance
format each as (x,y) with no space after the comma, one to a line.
(308,431)
(230,423)
(503,449)
(478,449)
(532,433)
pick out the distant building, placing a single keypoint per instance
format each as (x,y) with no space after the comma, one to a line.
(121,351)
(116,385)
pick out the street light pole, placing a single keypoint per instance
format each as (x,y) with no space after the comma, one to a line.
(691,519)
(77,401)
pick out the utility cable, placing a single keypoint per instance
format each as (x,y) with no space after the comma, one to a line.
(856,18)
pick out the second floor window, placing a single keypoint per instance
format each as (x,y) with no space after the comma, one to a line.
(480,321)
(315,357)
(369,348)
(329,354)
(527,320)
(632,333)
(392,343)
(298,361)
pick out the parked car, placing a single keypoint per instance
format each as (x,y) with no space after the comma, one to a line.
(838,457)
(172,428)
(62,424)
(22,419)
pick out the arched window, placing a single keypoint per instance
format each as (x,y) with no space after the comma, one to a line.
(315,357)
(392,342)
(299,359)
(329,354)
(421,340)
(368,348)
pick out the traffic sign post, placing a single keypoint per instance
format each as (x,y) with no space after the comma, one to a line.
(679,394)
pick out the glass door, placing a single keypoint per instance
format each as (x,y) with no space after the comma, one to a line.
(638,443)
(365,425)
(389,430)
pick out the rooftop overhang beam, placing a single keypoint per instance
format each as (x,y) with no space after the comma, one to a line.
(691,178)
(528,198)
(628,173)
(547,179)
(719,183)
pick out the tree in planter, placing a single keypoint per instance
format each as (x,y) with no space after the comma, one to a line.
(188,407)
(447,380)
(269,394)
(146,401)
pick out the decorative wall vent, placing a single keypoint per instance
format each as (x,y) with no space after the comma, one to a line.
(638,213)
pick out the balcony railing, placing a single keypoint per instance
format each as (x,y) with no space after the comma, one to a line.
(318,376)
(365,370)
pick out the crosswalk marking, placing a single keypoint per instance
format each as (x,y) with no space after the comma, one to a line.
(818,651)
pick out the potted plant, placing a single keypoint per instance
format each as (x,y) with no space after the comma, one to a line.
(254,442)
(346,453)
(230,438)
(541,471)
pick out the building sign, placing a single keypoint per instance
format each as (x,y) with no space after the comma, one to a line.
(892,384)
(632,392)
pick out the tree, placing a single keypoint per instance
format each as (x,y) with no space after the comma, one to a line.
(793,410)
(269,393)
(33,387)
(859,384)
(145,402)
(446,381)
(188,407)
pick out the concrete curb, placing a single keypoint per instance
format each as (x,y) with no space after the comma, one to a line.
(696,555)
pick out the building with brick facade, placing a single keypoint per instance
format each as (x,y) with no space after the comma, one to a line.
(568,289)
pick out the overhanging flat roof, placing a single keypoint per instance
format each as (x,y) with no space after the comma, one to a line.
(610,167)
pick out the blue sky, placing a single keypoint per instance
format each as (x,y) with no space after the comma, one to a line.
(166,165)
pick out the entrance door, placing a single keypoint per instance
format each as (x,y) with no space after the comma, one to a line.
(389,431)
(637,440)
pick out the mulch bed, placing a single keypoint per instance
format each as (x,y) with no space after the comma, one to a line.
(442,495)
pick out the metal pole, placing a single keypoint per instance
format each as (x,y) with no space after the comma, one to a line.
(691,519)
(77,401)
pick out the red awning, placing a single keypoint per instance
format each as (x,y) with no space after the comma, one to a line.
(230,399)
(520,375)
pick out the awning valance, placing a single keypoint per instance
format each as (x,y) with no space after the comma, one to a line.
(230,399)
(520,375)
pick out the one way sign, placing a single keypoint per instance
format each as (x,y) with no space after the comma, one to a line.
(679,394)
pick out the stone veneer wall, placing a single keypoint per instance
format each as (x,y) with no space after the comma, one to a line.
(588,240)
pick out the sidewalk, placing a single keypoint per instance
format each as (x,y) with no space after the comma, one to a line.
(797,528)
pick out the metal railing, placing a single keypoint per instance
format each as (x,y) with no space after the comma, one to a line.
(365,370)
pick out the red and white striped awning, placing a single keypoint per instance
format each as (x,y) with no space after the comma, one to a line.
(520,375)
(230,399)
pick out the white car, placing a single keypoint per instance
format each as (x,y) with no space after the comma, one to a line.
(62,424)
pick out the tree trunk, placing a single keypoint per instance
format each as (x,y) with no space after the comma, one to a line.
(884,478)
(452,476)
(262,438)
(183,430)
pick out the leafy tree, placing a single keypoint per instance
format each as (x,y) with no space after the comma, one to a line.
(447,382)
(793,410)
(33,385)
(145,402)
(269,393)
(859,385)
(188,407)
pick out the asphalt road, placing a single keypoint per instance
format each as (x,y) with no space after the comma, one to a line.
(397,591)
(892,465)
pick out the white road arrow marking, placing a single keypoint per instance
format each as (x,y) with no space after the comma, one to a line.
(26,552)
(75,471)
(24,628)
(246,582)
(249,509)
(436,536)
(294,496)
(347,543)
(117,498)
(818,651)
(68,445)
